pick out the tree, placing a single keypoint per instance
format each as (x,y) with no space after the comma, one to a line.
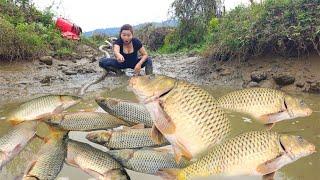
(194,17)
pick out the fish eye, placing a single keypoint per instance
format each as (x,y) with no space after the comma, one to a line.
(300,139)
(151,76)
(302,103)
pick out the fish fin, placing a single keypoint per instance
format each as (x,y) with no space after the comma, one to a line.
(87,110)
(17,149)
(14,122)
(71,162)
(269,176)
(169,174)
(274,117)
(161,119)
(44,139)
(166,149)
(170,127)
(125,128)
(179,151)
(30,167)
(58,109)
(264,118)
(273,164)
(93,173)
(269,126)
(156,135)
(138,126)
(44,117)
(55,132)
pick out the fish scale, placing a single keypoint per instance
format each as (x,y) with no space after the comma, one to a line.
(14,141)
(127,111)
(94,161)
(198,119)
(129,138)
(230,156)
(33,109)
(83,121)
(265,104)
(183,113)
(49,161)
(133,138)
(266,100)
(147,160)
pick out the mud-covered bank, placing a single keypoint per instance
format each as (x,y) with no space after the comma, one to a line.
(49,75)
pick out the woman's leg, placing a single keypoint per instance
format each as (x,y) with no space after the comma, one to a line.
(148,66)
(111,64)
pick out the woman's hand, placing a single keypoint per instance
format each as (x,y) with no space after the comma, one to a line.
(120,58)
(137,69)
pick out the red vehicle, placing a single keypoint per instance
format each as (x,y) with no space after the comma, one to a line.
(68,29)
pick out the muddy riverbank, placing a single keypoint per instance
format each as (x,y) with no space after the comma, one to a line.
(49,75)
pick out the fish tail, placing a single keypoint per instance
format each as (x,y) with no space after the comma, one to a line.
(171,174)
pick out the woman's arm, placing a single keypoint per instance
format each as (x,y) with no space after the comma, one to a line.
(144,55)
(116,51)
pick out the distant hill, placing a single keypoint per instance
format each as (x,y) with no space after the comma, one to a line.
(113,31)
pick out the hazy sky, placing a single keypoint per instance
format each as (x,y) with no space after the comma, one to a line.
(94,14)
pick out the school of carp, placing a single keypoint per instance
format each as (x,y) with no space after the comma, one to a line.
(176,131)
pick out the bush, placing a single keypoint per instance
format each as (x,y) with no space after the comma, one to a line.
(27,33)
(7,40)
(282,27)
(153,37)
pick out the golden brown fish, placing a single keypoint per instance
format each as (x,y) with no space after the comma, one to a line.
(41,107)
(128,111)
(147,161)
(127,138)
(95,162)
(50,158)
(251,153)
(84,121)
(15,140)
(265,104)
(185,114)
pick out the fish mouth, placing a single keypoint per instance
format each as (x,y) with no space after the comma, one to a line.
(156,96)
(100,100)
(308,112)
(313,149)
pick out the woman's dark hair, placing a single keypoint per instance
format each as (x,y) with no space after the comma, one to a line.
(126,27)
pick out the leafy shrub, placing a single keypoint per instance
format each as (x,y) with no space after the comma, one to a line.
(153,37)
(27,33)
(282,27)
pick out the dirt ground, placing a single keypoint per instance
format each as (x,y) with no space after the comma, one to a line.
(24,79)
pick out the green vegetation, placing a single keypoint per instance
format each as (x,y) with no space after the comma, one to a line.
(281,27)
(27,33)
(152,36)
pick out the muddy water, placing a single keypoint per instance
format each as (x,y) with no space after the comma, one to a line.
(306,168)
